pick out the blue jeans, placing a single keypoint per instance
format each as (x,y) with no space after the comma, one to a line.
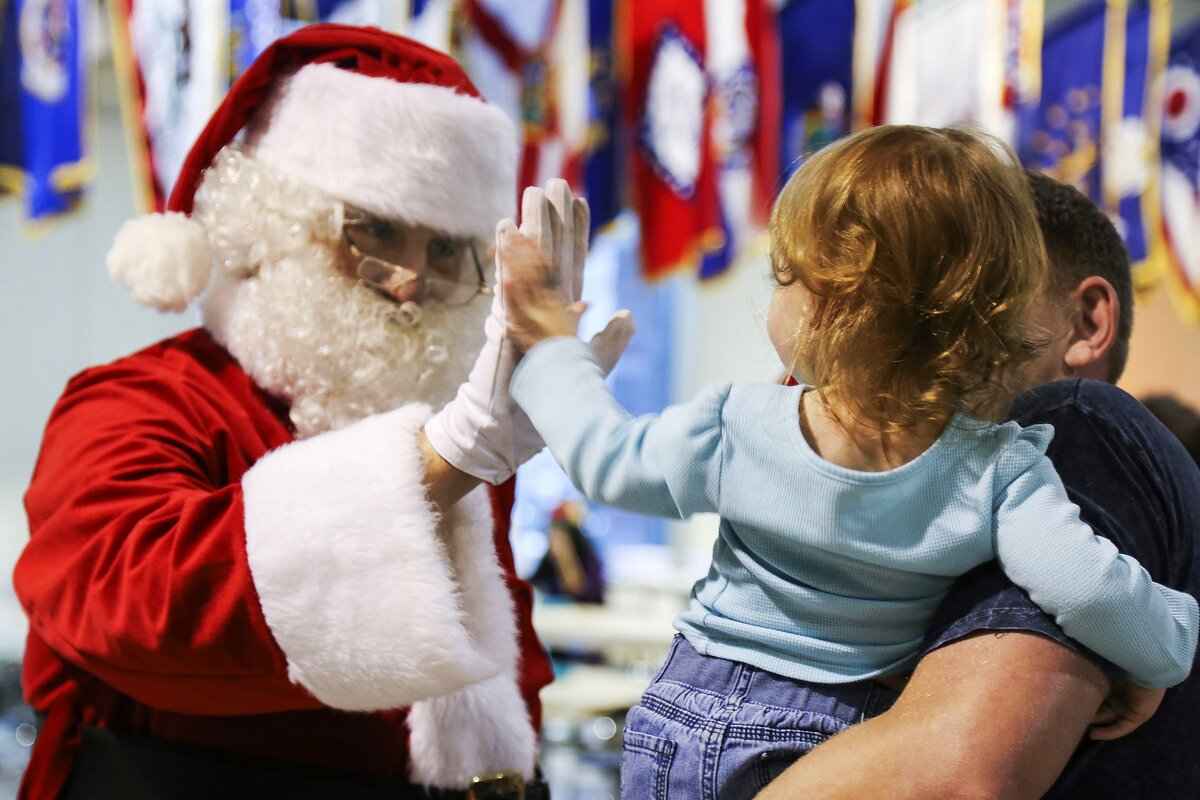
(708,728)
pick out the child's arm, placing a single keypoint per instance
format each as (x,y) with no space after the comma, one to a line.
(1102,598)
(667,464)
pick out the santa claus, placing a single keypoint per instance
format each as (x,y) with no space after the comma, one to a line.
(260,564)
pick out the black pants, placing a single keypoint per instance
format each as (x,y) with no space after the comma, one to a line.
(118,766)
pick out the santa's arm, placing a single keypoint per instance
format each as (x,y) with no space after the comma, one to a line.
(325,575)
(377,597)
(445,483)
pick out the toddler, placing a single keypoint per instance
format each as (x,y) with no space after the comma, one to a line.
(908,263)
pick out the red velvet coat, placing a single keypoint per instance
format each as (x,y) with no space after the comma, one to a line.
(144,612)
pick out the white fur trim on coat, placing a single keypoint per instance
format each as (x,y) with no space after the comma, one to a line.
(354,580)
(484,728)
(413,151)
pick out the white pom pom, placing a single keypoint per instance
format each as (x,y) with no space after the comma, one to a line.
(164,260)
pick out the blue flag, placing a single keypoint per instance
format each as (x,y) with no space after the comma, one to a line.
(817,45)
(1131,151)
(1060,133)
(1127,194)
(253,25)
(601,163)
(12,146)
(50,88)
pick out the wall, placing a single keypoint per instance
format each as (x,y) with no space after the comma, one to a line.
(1164,353)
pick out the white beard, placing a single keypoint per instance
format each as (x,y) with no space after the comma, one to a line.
(334,350)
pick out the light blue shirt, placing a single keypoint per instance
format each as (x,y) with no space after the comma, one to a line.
(829,574)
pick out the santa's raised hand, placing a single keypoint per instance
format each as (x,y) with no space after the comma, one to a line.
(481,431)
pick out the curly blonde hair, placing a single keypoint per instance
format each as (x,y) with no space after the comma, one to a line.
(922,253)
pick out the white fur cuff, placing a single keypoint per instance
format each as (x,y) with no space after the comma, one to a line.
(481,730)
(354,579)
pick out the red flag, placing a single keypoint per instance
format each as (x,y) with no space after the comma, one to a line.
(540,79)
(673,176)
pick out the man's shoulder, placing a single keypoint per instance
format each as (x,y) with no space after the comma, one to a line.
(1101,431)
(188,356)
(1078,397)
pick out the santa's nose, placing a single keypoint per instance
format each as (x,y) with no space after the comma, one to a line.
(401,284)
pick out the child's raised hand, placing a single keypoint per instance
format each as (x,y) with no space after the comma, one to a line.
(1124,710)
(535,300)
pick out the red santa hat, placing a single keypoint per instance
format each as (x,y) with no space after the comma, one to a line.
(368,117)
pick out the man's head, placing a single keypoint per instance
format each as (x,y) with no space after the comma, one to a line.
(1088,307)
(344,195)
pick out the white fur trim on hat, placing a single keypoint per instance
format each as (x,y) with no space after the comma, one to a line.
(412,151)
(354,579)
(164,259)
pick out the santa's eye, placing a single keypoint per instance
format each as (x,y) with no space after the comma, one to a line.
(443,248)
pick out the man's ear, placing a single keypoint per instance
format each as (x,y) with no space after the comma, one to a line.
(1093,329)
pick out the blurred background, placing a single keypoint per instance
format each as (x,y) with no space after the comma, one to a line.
(677,119)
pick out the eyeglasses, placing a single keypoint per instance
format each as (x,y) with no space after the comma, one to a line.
(453,274)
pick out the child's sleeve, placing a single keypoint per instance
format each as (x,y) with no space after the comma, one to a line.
(667,464)
(1102,598)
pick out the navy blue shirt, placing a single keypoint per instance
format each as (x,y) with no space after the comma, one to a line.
(1134,483)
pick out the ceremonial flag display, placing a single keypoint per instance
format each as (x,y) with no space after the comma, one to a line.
(253,24)
(672,174)
(1096,125)
(1133,114)
(532,61)
(1181,173)
(1060,133)
(46,96)
(694,112)
(12,146)
(602,167)
(953,62)
(743,70)
(384,14)
(817,40)
(172,62)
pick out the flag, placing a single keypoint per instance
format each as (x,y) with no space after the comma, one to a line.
(1096,124)
(173,68)
(1022,69)
(1181,173)
(385,14)
(673,178)
(531,60)
(817,40)
(431,23)
(1138,41)
(743,67)
(253,25)
(12,142)
(1059,132)
(47,104)
(602,167)
(953,62)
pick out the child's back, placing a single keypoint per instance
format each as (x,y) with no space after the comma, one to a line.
(909,265)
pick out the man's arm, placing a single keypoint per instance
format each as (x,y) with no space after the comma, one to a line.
(994,715)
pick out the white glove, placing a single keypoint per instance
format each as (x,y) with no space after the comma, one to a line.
(482,431)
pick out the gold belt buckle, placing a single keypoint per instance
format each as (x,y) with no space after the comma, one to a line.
(501,786)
